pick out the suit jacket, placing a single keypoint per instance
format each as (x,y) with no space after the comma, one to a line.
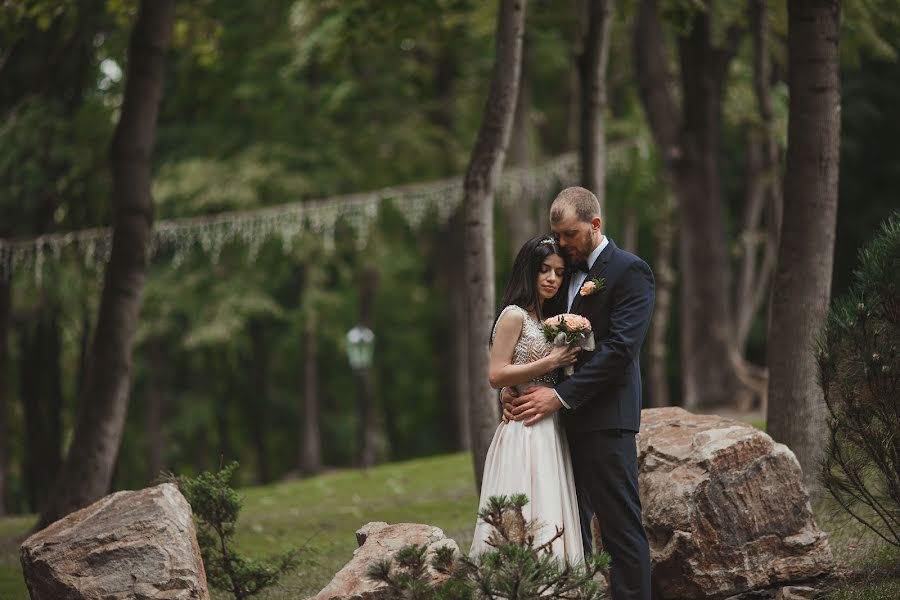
(605,391)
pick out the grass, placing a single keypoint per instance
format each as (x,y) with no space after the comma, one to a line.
(324,512)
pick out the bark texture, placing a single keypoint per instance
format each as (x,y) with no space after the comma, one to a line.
(802,286)
(481,179)
(688,136)
(525,216)
(592,78)
(103,400)
(663,270)
(758,241)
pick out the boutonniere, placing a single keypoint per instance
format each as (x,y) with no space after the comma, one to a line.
(592,287)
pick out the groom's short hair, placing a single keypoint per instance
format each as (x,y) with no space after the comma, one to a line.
(581,200)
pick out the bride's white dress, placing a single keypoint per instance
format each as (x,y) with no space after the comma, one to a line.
(535,461)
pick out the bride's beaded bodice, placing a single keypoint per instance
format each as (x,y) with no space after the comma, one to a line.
(531,346)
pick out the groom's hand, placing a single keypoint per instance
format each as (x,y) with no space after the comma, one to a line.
(535,404)
(508,398)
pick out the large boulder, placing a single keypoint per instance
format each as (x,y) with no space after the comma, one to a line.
(724,508)
(378,541)
(134,545)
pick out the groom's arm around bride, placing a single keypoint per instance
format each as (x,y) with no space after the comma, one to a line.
(620,316)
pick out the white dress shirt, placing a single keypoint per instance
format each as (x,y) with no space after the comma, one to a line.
(578,277)
(577,281)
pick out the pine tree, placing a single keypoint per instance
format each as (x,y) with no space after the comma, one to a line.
(859,368)
(517,568)
(216,507)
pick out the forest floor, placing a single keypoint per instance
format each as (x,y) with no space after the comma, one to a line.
(322,514)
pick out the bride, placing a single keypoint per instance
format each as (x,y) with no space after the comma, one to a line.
(531,460)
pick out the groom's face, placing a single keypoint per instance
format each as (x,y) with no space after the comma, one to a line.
(577,239)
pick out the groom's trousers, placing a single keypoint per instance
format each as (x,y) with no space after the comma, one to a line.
(605,466)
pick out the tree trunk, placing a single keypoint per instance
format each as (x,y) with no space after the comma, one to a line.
(257,407)
(5,316)
(657,347)
(227,390)
(630,228)
(103,401)
(802,285)
(481,179)
(758,242)
(458,306)
(368,415)
(689,141)
(155,391)
(310,438)
(522,214)
(592,93)
(446,70)
(41,395)
(573,96)
(710,381)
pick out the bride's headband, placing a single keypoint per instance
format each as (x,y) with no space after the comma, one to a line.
(547,241)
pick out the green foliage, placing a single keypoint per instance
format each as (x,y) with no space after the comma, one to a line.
(859,365)
(435,490)
(287,100)
(216,507)
(516,568)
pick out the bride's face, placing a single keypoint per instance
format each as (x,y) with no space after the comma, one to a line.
(550,276)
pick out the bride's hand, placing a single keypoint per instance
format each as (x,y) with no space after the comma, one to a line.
(563,356)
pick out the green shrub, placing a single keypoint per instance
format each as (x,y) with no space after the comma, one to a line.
(515,569)
(859,367)
(216,507)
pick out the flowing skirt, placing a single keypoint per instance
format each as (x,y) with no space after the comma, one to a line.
(534,461)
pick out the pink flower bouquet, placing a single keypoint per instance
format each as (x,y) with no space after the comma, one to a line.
(567,329)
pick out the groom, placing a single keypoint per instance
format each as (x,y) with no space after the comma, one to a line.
(601,402)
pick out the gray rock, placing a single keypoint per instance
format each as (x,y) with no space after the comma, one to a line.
(724,508)
(129,545)
(378,541)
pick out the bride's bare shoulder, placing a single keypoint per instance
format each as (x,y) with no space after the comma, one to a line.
(509,323)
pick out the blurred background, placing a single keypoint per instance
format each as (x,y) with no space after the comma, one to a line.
(242,345)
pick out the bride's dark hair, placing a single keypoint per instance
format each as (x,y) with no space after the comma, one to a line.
(522,287)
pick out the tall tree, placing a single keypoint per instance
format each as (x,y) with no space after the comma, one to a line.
(461,387)
(155,390)
(368,415)
(524,216)
(688,134)
(103,400)
(40,374)
(802,285)
(758,242)
(664,272)
(592,91)
(310,435)
(480,183)
(258,360)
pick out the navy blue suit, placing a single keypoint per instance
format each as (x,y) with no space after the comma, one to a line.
(605,399)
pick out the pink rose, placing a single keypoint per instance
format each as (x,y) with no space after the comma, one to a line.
(572,322)
(588,288)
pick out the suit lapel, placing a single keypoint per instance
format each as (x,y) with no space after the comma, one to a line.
(597,270)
